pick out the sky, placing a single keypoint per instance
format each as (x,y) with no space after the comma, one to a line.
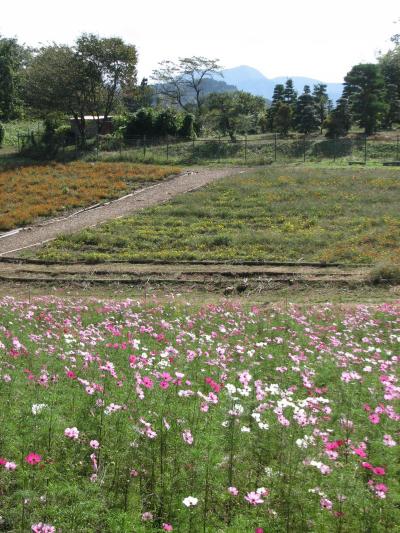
(312,38)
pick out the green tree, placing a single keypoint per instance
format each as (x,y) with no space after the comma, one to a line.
(84,79)
(306,119)
(182,83)
(278,97)
(167,122)
(13,60)
(235,112)
(364,87)
(390,68)
(321,100)
(283,118)
(290,93)
(338,122)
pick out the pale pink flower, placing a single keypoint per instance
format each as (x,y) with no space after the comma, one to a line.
(253,498)
(233,491)
(147,516)
(187,436)
(325,503)
(94,444)
(167,527)
(71,433)
(10,465)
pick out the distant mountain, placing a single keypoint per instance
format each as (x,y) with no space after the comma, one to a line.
(249,79)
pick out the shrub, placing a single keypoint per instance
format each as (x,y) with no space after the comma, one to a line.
(385,273)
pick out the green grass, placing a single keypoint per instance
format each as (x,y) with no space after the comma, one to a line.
(290,213)
(19,127)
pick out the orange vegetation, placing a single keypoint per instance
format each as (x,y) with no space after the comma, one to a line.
(29,192)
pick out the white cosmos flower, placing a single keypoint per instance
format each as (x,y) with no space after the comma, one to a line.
(190,501)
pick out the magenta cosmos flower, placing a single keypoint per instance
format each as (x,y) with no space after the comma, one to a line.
(33,458)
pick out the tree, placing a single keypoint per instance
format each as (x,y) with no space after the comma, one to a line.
(338,121)
(134,98)
(234,112)
(290,93)
(182,83)
(390,67)
(84,79)
(278,97)
(306,117)
(13,60)
(321,100)
(283,118)
(364,87)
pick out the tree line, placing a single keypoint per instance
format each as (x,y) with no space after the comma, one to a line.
(97,77)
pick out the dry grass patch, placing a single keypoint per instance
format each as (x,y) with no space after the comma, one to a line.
(29,192)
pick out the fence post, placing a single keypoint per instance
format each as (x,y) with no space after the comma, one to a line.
(219,148)
(275,147)
(365,149)
(334,148)
(192,148)
(144,146)
(18,141)
(304,148)
(97,146)
(167,147)
(397,149)
(245,148)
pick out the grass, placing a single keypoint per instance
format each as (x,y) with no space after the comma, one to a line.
(19,127)
(169,401)
(33,191)
(289,213)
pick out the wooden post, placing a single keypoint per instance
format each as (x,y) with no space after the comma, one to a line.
(275,145)
(304,149)
(365,149)
(245,147)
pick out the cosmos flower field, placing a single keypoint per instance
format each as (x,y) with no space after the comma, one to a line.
(124,416)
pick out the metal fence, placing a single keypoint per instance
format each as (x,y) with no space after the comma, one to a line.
(249,149)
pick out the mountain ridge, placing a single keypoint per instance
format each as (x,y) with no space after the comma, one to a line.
(249,79)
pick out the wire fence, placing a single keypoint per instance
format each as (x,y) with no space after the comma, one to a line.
(252,149)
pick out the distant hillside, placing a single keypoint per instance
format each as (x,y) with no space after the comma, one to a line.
(253,81)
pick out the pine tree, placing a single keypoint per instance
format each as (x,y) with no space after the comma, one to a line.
(338,121)
(306,118)
(321,100)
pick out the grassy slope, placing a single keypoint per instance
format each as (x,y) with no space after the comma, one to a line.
(344,214)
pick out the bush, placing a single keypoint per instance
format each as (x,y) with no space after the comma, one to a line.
(385,273)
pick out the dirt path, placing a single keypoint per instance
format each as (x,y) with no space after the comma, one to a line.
(13,242)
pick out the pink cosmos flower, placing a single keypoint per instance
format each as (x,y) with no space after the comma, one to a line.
(378,470)
(94,444)
(389,441)
(71,433)
(368,466)
(187,436)
(325,503)
(259,530)
(43,528)
(167,527)
(147,516)
(10,465)
(233,491)
(374,418)
(33,458)
(254,498)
